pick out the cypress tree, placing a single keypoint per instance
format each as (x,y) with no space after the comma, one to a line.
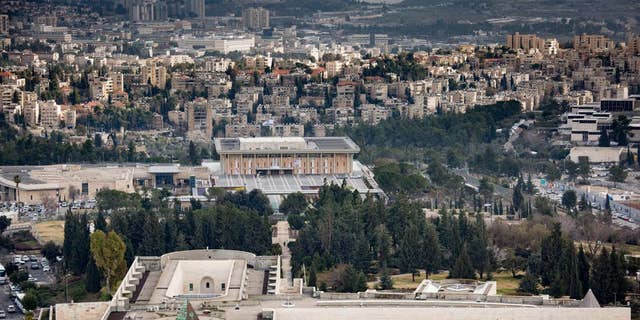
(550,255)
(529,284)
(600,277)
(574,285)
(101,222)
(583,271)
(431,252)
(92,283)
(618,282)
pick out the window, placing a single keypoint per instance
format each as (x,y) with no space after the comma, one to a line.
(222,286)
(191,286)
(85,188)
(207,285)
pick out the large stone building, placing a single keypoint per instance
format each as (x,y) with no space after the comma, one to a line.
(255,18)
(293,155)
(593,43)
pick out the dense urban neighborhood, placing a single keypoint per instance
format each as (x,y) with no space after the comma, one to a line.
(281,159)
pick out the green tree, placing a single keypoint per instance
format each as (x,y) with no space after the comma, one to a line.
(620,130)
(352,280)
(101,222)
(584,168)
(294,203)
(529,284)
(409,251)
(108,252)
(583,271)
(386,283)
(617,174)
(431,251)
(485,188)
(604,140)
(569,199)
(4,223)
(551,251)
(50,250)
(463,268)
(92,282)
(601,277)
(17,180)
(30,300)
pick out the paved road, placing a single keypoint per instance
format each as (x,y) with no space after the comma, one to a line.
(6,300)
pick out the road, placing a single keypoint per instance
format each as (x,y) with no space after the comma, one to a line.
(6,300)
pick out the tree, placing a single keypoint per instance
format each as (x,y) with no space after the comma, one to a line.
(617,174)
(352,280)
(551,251)
(17,180)
(92,283)
(485,188)
(294,203)
(4,223)
(386,283)
(101,222)
(431,251)
(463,268)
(108,252)
(569,199)
(584,169)
(50,250)
(600,277)
(604,140)
(408,251)
(583,270)
(30,300)
(529,284)
(193,154)
(620,130)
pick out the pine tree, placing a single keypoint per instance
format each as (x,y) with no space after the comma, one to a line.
(408,254)
(386,283)
(431,252)
(550,255)
(479,247)
(463,268)
(529,284)
(152,242)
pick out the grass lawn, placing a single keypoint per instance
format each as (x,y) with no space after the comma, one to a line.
(51,230)
(507,285)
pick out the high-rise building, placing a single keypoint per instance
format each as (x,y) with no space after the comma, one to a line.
(4,23)
(148,10)
(200,117)
(255,18)
(525,42)
(154,74)
(593,42)
(195,8)
(50,113)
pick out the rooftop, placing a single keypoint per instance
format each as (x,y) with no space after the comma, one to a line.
(288,144)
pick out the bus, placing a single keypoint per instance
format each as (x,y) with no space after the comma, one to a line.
(3,275)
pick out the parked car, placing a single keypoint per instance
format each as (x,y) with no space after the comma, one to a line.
(2,314)
(46,268)
(33,258)
(11,308)
(35,266)
(25,258)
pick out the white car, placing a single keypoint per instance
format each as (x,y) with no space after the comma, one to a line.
(46,269)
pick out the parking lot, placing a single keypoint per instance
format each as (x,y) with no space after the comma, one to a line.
(38,274)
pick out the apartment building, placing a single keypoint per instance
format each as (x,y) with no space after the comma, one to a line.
(593,43)
(255,18)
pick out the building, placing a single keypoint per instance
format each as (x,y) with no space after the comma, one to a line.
(255,18)
(195,8)
(200,117)
(292,155)
(147,10)
(598,155)
(4,23)
(593,43)
(71,181)
(525,42)
(50,113)
(154,74)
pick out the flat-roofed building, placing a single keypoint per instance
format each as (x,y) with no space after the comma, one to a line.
(290,155)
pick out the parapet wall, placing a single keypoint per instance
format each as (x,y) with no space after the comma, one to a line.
(209,254)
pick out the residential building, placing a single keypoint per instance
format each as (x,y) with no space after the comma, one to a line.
(255,18)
